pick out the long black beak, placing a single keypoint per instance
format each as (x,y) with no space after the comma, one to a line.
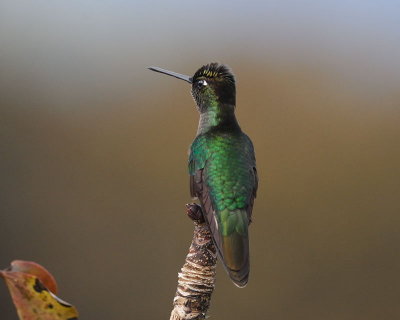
(171,73)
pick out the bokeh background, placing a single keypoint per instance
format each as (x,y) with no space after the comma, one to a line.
(94,151)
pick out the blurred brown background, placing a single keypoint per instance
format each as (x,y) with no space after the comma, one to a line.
(94,151)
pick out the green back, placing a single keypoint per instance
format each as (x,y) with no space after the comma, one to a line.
(228,161)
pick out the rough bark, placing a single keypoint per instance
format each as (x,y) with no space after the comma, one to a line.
(197,277)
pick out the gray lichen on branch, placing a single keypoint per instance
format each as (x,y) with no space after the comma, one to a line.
(197,277)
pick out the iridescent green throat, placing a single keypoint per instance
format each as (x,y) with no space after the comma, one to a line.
(218,117)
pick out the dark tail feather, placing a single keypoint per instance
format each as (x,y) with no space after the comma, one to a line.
(240,277)
(236,258)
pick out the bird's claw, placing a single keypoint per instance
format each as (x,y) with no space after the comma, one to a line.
(194,212)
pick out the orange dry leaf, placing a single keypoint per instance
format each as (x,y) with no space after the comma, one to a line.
(37,270)
(31,287)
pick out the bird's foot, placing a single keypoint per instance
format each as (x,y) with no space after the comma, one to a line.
(194,212)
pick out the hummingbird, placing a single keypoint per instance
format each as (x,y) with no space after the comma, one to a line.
(222,166)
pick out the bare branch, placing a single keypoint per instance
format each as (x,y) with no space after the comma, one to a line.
(197,277)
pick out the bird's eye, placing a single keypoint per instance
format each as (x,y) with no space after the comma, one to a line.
(201,83)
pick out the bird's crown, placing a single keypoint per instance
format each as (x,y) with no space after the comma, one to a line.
(214,71)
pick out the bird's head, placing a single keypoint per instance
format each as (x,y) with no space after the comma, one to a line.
(212,84)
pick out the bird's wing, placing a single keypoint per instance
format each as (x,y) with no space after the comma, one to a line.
(200,190)
(250,151)
(232,246)
(253,195)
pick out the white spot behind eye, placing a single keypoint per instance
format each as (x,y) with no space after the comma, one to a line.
(203,82)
